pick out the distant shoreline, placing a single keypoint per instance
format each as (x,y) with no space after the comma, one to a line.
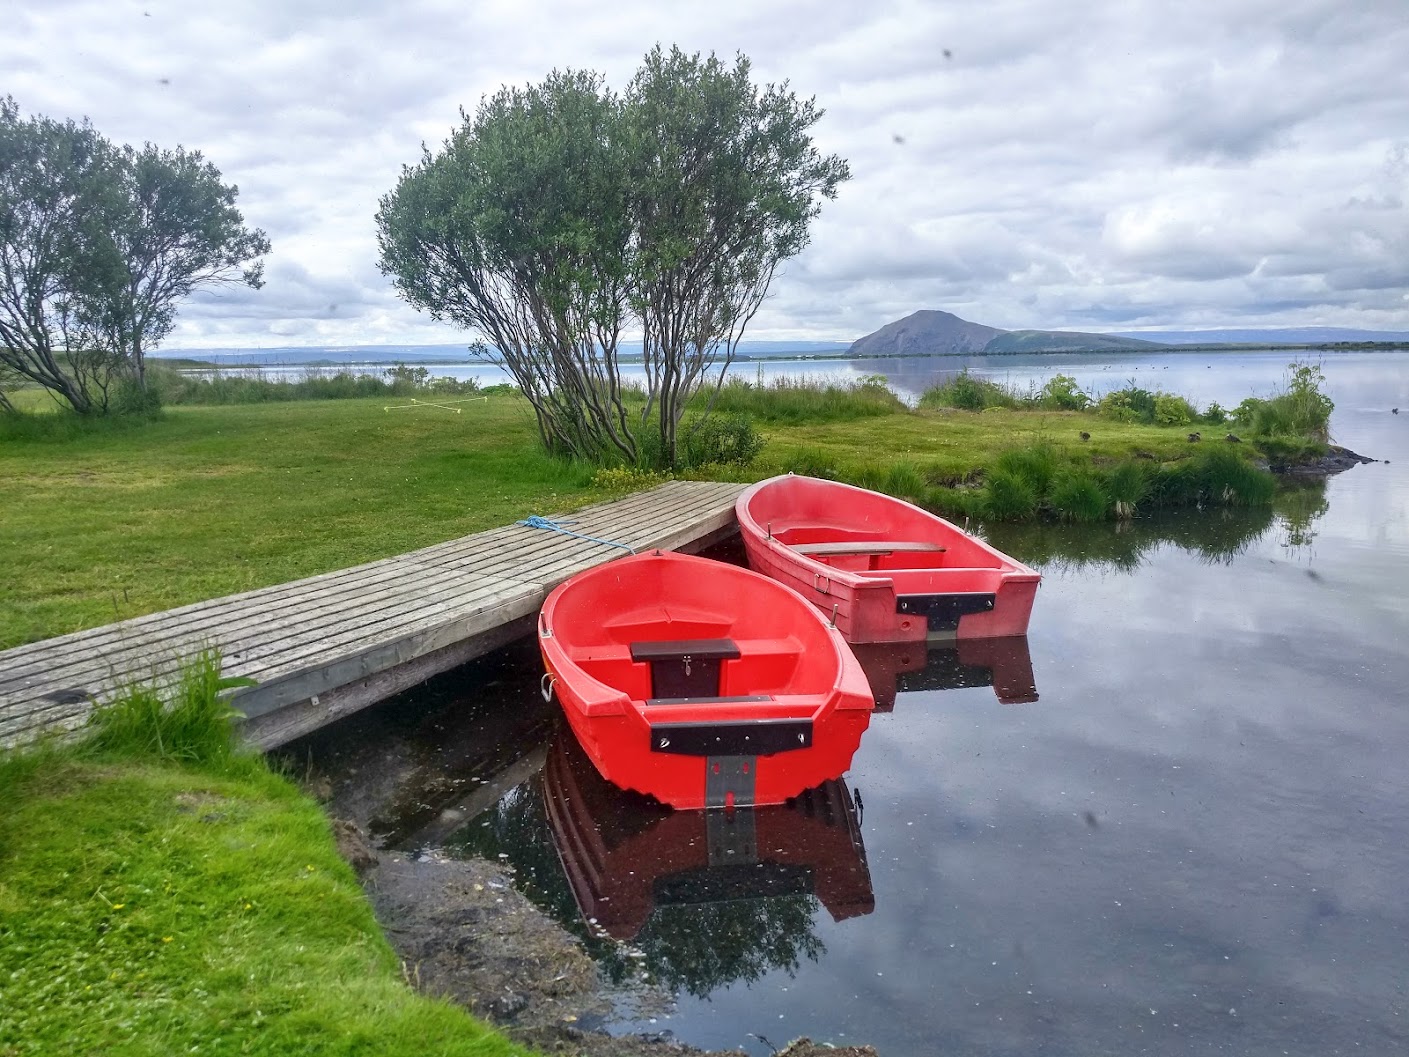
(194,363)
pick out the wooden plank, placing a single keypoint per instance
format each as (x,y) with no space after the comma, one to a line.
(332,643)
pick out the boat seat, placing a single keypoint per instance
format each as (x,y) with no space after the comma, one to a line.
(685,667)
(865,547)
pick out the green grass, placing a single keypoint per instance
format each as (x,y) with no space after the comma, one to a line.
(109,520)
(158,902)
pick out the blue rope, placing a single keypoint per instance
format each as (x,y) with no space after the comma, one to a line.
(534,521)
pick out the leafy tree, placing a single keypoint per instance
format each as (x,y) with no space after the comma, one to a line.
(561,214)
(174,228)
(723,182)
(97,247)
(54,259)
(517,229)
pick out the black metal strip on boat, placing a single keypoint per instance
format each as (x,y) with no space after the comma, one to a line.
(749,737)
(943,611)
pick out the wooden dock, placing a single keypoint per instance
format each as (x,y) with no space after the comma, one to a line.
(329,645)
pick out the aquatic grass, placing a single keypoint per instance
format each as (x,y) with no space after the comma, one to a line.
(789,401)
(1037,464)
(905,481)
(970,392)
(1008,496)
(252,386)
(1126,485)
(1076,495)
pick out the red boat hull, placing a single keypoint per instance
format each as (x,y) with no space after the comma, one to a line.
(700,683)
(887,570)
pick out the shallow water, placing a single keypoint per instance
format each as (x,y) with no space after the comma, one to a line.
(1195,839)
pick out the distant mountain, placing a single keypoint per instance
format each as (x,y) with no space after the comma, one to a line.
(932,332)
(1271,336)
(926,331)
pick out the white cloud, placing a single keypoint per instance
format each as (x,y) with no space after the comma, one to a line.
(1116,164)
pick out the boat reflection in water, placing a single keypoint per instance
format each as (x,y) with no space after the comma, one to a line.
(1004,664)
(627,857)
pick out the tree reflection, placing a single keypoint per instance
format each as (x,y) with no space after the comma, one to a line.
(1214,535)
(696,948)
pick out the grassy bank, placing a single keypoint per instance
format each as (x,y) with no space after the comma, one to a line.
(109,520)
(185,899)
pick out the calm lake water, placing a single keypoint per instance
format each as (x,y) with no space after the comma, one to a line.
(1194,840)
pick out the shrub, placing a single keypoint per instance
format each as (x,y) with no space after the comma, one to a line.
(721,439)
(1131,404)
(968,392)
(1300,410)
(1171,410)
(812,462)
(1215,415)
(1062,394)
(788,401)
(129,398)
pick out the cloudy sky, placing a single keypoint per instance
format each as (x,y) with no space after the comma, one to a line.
(1023,163)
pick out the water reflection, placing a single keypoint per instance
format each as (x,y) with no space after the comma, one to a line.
(1004,664)
(1215,536)
(709,897)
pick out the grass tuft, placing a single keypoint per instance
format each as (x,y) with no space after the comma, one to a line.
(1076,495)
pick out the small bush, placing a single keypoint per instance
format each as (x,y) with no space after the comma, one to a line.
(968,392)
(787,401)
(1131,404)
(1076,496)
(129,398)
(1061,393)
(1171,410)
(727,439)
(626,479)
(812,462)
(1215,415)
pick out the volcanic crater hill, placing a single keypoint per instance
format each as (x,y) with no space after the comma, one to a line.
(931,332)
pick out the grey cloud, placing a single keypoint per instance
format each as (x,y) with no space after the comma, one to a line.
(1122,163)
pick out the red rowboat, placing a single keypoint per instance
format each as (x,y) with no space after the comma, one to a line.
(626,857)
(887,570)
(701,683)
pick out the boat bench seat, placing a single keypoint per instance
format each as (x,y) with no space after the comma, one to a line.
(819,550)
(685,667)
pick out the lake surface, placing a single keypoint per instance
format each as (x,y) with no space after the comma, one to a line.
(1194,840)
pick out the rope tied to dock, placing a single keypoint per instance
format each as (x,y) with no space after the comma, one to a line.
(534,521)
